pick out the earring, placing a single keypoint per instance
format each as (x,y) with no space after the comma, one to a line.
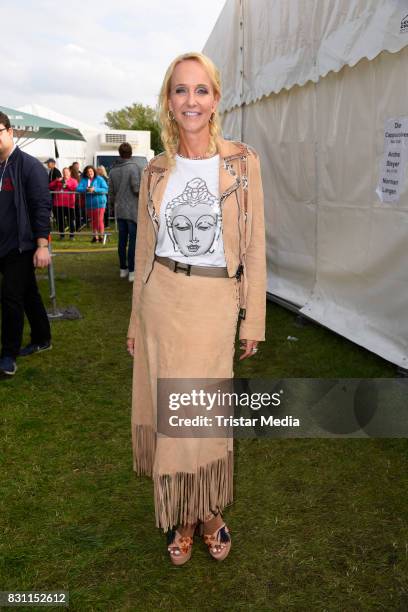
(212,117)
(170,115)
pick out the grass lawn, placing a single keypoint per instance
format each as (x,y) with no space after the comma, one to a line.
(82,240)
(317,525)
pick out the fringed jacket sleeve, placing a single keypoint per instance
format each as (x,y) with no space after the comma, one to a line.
(253,326)
(141,253)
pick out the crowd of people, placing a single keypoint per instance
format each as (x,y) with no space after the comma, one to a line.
(78,198)
(91,196)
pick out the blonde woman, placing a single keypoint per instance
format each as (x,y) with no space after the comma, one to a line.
(101,171)
(200,263)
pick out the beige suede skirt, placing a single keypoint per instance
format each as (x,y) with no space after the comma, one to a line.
(186,329)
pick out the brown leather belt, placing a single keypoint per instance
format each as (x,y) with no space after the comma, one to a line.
(188,269)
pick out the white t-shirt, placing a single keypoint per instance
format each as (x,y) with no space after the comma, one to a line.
(190,223)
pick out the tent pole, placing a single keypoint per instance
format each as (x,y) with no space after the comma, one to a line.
(29,140)
(241,48)
(25,142)
(55,313)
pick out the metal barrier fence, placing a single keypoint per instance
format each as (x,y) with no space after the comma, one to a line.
(71,312)
(74,212)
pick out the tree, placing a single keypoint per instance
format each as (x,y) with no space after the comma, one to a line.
(136,117)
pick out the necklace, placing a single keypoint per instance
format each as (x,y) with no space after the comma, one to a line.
(195,157)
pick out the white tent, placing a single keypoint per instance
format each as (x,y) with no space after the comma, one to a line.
(314,86)
(69,151)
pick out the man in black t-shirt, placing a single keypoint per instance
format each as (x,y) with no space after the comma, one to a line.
(25,207)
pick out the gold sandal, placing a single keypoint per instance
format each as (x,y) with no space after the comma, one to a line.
(180,547)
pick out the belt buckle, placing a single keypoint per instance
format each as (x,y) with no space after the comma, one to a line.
(178,268)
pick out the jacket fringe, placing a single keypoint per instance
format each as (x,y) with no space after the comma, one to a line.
(144,446)
(184,497)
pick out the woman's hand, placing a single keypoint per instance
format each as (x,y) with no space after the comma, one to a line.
(250,347)
(130,344)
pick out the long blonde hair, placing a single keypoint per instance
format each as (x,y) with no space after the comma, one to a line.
(102,171)
(169,128)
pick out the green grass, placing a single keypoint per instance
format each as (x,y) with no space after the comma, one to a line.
(82,240)
(317,524)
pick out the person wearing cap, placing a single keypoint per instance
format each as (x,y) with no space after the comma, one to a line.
(25,225)
(53,173)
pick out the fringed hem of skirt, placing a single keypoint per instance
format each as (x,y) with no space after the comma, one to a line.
(184,497)
(144,446)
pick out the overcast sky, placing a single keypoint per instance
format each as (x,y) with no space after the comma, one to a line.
(85,58)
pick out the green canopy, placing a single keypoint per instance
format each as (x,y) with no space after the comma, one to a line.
(31,126)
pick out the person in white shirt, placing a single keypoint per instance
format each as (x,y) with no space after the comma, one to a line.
(200,262)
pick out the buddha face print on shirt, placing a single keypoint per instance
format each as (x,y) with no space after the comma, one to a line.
(193,220)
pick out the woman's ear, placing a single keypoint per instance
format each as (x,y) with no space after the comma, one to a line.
(215,103)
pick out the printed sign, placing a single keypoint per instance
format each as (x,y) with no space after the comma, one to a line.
(394,163)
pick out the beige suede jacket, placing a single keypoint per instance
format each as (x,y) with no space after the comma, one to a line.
(243,230)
